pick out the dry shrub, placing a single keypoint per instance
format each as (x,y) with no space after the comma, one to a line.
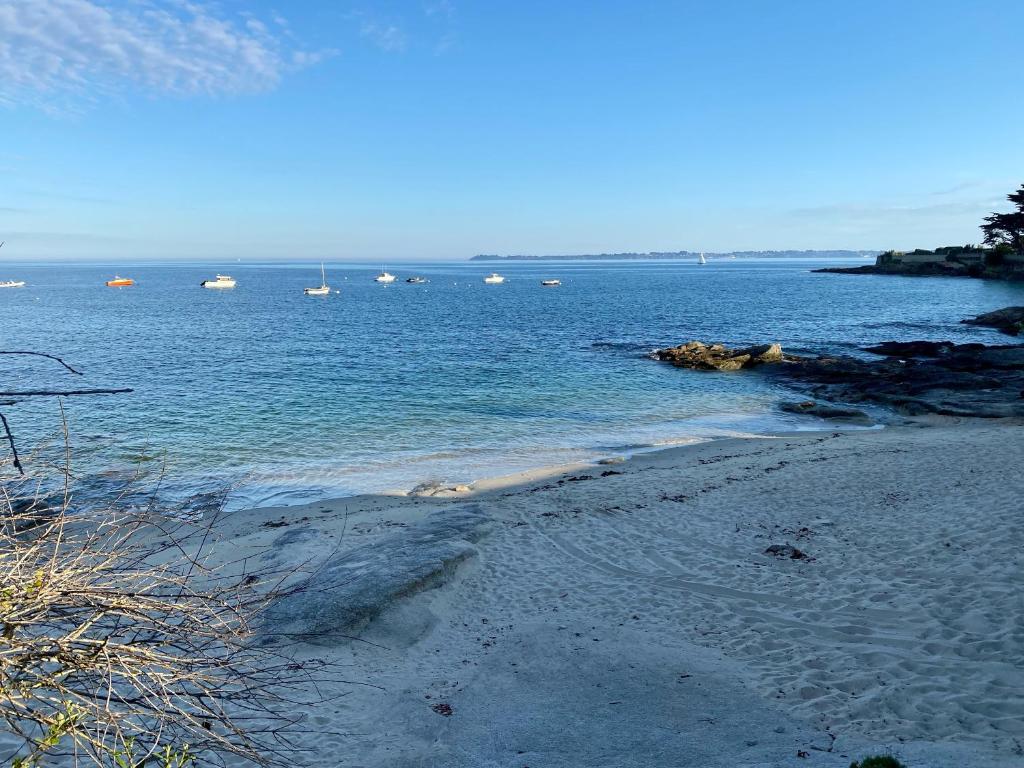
(121,644)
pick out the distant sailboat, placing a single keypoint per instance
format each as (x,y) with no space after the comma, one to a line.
(702,260)
(324,288)
(11,283)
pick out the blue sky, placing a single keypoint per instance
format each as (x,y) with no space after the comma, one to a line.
(444,128)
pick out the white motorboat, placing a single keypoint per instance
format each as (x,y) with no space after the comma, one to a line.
(494,278)
(550,282)
(324,288)
(384,276)
(222,281)
(702,260)
(416,280)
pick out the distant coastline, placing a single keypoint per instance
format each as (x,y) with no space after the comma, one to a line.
(666,255)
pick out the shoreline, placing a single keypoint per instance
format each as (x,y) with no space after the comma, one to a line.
(613,454)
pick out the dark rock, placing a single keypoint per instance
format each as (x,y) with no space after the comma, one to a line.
(915,378)
(785,550)
(911,348)
(811,408)
(1009,320)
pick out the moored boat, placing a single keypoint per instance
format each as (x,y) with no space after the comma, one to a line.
(550,282)
(324,288)
(416,279)
(494,278)
(222,281)
(10,283)
(120,282)
(384,277)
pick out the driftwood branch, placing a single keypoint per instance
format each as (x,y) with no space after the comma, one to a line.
(14,449)
(64,392)
(43,354)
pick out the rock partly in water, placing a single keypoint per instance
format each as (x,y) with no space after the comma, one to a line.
(718,357)
(353,587)
(437,488)
(914,378)
(1009,320)
(785,550)
(822,411)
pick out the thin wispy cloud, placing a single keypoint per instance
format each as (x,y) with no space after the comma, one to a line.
(60,49)
(890,213)
(387,37)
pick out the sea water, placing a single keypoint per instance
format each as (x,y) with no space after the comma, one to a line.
(288,398)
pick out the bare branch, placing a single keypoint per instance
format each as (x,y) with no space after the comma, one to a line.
(14,449)
(43,354)
(65,393)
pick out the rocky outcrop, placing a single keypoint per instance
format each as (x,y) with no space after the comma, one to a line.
(822,411)
(718,357)
(1009,320)
(912,377)
(928,269)
(353,587)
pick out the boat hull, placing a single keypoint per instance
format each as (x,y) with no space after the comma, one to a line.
(122,283)
(218,283)
(13,284)
(321,291)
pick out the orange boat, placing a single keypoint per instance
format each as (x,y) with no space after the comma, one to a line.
(119,282)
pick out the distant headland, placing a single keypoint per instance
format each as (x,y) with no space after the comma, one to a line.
(666,255)
(1001,258)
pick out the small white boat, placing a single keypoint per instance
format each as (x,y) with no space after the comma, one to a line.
(702,260)
(550,282)
(222,281)
(417,280)
(384,276)
(324,288)
(494,278)
(11,283)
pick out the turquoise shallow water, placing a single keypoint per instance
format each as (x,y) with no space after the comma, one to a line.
(289,398)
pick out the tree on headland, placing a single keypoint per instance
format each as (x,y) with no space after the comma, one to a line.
(1007,229)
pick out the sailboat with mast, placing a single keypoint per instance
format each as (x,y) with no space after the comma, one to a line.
(11,283)
(702,260)
(324,288)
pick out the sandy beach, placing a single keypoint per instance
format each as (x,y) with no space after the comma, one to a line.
(627,614)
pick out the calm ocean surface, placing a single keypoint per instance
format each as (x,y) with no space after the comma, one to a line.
(290,398)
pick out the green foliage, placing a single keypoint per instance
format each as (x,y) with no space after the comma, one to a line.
(165,757)
(997,256)
(878,761)
(1007,228)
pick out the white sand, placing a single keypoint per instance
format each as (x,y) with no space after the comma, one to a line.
(634,620)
